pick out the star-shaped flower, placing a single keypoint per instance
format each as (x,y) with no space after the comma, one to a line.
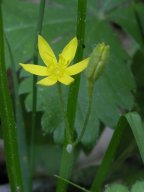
(54,70)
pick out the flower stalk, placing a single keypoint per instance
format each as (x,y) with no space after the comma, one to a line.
(97,62)
(34,101)
(89,108)
(68,134)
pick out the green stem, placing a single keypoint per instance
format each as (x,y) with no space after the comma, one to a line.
(89,108)
(74,88)
(67,158)
(34,104)
(68,131)
(8,123)
(138,19)
(23,156)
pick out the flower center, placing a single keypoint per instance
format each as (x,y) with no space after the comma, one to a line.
(62,60)
(59,71)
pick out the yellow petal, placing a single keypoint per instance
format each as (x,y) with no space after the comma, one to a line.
(66,79)
(78,67)
(69,51)
(35,69)
(46,52)
(48,81)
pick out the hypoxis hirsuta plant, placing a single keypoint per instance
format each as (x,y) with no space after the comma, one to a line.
(60,71)
(57,71)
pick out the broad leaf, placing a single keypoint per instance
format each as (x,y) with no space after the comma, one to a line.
(138,186)
(112,93)
(126,18)
(116,188)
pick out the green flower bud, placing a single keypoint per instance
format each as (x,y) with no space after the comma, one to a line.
(98,59)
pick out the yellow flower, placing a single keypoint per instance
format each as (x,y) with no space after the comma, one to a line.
(56,70)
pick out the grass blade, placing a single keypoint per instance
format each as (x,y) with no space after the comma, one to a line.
(132,122)
(137,128)
(23,153)
(8,123)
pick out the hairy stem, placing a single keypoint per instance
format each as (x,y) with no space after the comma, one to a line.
(34,104)
(68,133)
(67,158)
(88,112)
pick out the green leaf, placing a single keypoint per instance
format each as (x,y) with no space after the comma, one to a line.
(47,157)
(125,17)
(20,24)
(132,122)
(138,186)
(136,125)
(112,91)
(138,71)
(116,188)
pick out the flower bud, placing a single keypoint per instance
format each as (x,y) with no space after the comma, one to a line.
(98,59)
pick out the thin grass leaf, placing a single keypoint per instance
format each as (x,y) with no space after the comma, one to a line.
(8,122)
(23,153)
(131,121)
(137,128)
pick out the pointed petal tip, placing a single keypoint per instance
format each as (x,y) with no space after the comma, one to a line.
(66,79)
(71,82)
(48,81)
(69,51)
(22,65)
(78,67)
(40,37)
(39,83)
(46,51)
(75,39)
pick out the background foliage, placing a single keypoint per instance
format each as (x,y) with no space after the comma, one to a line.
(112,91)
(119,90)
